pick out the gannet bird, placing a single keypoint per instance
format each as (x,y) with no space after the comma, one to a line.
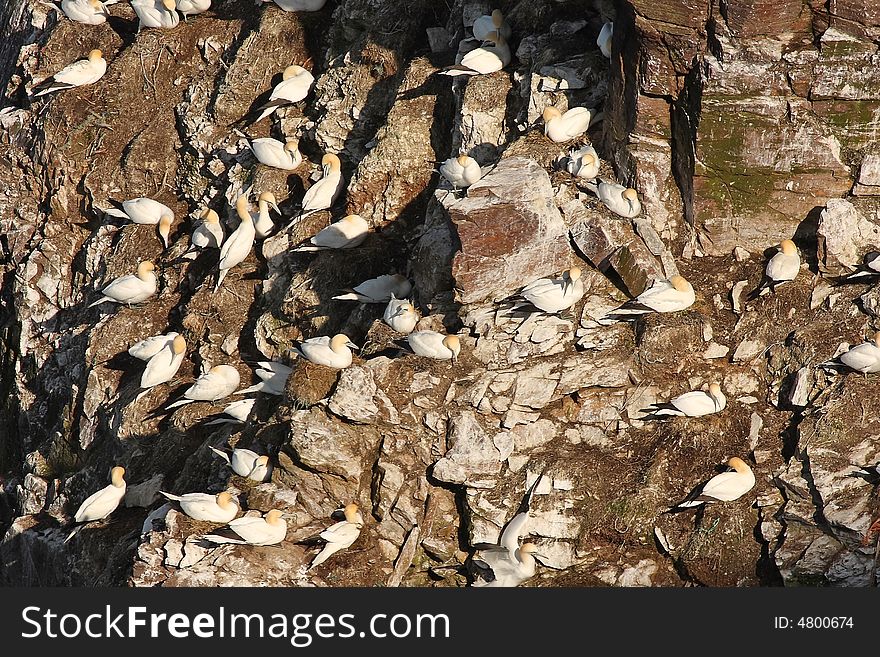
(724,487)
(246,463)
(583,162)
(298,5)
(864,357)
(604,38)
(401,315)
(690,404)
(141,210)
(207,235)
(238,245)
(781,268)
(255,531)
(149,347)
(507,564)
(323,193)
(204,506)
(333,352)
(340,536)
(347,233)
(264,225)
(156,13)
(492,56)
(553,295)
(162,367)
(218,382)
(273,378)
(89,12)
(561,127)
(664,296)
(620,200)
(80,73)
(379,289)
(485,25)
(867,272)
(192,7)
(274,153)
(165,229)
(237,411)
(462,171)
(431,344)
(294,87)
(131,288)
(102,503)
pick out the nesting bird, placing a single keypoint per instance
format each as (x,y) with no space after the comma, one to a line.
(664,296)
(79,73)
(163,365)
(552,295)
(237,411)
(251,530)
(864,357)
(160,14)
(494,22)
(561,127)
(102,503)
(622,201)
(193,7)
(401,315)
(583,162)
(273,378)
(604,39)
(239,244)
(204,506)
(323,193)
(264,225)
(379,289)
(462,171)
(347,233)
(492,56)
(131,288)
(89,12)
(333,352)
(432,344)
(140,210)
(149,347)
(218,382)
(781,268)
(724,487)
(247,463)
(691,404)
(207,235)
(274,153)
(341,535)
(294,86)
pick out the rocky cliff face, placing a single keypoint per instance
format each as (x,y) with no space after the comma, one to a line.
(739,122)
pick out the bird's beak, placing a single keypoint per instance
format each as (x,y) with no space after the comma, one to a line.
(352,345)
(275,207)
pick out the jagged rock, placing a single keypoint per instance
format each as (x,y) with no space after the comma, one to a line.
(325,446)
(144,493)
(844,235)
(353,396)
(869,175)
(471,456)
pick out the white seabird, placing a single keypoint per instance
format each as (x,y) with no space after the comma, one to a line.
(270,530)
(204,506)
(247,463)
(273,153)
(140,210)
(583,162)
(207,235)
(81,72)
(131,288)
(149,347)
(664,296)
(432,344)
(102,503)
(401,315)
(724,487)
(604,38)
(561,127)
(492,56)
(553,295)
(341,535)
(88,12)
(494,22)
(297,5)
(691,404)
(273,378)
(193,7)
(462,171)
(333,352)
(347,233)
(323,193)
(379,289)
(238,245)
(218,382)
(264,225)
(162,367)
(294,87)
(237,411)
(867,272)
(156,13)
(864,357)
(622,201)
(781,268)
